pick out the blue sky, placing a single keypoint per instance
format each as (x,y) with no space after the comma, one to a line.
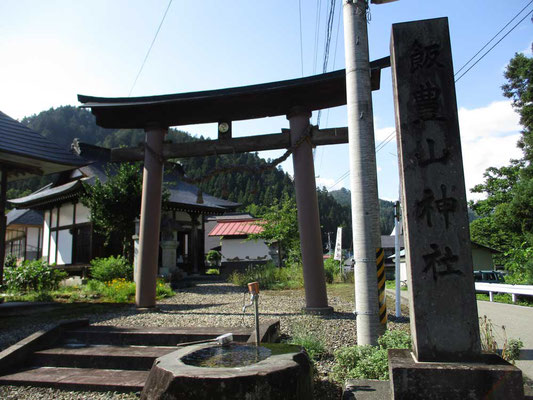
(53,50)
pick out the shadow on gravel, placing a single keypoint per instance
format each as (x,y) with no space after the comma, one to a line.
(171,308)
(211,288)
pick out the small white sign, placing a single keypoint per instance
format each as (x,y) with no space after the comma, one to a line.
(338,245)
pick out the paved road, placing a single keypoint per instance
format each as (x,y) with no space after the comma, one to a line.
(518,323)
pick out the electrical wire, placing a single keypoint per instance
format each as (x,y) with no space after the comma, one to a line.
(327,45)
(495,44)
(150,48)
(317,34)
(301,40)
(491,39)
(380,146)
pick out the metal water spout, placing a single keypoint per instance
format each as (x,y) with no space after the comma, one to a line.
(253,289)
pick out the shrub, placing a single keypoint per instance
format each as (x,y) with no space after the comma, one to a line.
(107,269)
(212,271)
(122,291)
(395,340)
(119,291)
(331,269)
(368,362)
(163,290)
(213,257)
(512,350)
(34,275)
(270,276)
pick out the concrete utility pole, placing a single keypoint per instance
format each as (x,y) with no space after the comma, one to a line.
(363,174)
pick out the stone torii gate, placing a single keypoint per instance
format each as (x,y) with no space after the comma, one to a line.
(295,98)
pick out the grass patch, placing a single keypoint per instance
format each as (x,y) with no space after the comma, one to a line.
(269,276)
(506,298)
(313,344)
(368,362)
(118,290)
(391,284)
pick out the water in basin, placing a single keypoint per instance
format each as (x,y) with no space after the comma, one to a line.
(234,355)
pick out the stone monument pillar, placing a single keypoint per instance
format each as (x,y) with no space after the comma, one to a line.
(195,244)
(168,257)
(308,218)
(446,362)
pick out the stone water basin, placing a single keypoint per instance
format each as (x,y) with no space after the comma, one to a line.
(235,371)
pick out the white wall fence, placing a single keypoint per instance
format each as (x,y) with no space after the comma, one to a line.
(492,288)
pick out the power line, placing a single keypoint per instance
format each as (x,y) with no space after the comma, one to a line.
(327,44)
(385,141)
(317,34)
(495,44)
(380,146)
(486,44)
(301,40)
(150,49)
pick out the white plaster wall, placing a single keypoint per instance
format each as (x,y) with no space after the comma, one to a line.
(64,252)
(52,255)
(32,239)
(46,233)
(66,214)
(243,250)
(54,218)
(82,214)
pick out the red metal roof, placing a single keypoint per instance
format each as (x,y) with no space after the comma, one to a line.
(236,228)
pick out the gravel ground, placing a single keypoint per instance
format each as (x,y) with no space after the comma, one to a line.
(206,304)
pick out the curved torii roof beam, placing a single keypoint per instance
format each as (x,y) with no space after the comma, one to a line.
(232,104)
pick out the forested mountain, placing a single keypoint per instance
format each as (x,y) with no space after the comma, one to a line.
(253,190)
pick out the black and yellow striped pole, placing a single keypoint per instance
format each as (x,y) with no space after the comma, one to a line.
(380,263)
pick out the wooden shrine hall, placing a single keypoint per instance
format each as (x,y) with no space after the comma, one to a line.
(295,98)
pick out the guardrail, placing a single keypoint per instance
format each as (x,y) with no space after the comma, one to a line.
(492,288)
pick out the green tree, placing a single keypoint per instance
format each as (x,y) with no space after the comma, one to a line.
(519,88)
(280,225)
(506,214)
(115,203)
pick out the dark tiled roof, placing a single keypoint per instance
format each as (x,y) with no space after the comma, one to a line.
(17,139)
(24,217)
(182,194)
(47,195)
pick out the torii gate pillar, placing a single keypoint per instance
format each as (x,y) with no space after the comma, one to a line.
(146,276)
(316,299)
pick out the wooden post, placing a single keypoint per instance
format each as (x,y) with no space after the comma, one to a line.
(316,298)
(3,190)
(150,218)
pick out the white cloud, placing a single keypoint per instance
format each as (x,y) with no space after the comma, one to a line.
(327,182)
(386,133)
(488,139)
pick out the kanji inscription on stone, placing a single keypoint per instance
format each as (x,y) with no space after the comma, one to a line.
(443,311)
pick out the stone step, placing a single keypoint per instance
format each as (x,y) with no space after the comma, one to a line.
(149,336)
(100,356)
(78,379)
